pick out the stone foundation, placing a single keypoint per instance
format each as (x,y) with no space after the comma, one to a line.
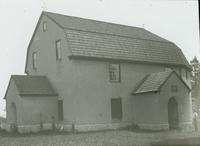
(186,126)
(28,128)
(96,127)
(68,127)
(155,127)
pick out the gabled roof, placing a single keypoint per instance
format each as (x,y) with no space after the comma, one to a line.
(102,40)
(153,82)
(33,85)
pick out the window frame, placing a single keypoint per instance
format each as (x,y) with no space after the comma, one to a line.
(111,73)
(186,74)
(34,60)
(44,26)
(113,114)
(58,50)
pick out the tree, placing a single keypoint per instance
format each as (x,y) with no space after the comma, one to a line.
(195,81)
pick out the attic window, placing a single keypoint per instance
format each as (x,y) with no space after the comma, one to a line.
(34,58)
(58,50)
(114,72)
(44,26)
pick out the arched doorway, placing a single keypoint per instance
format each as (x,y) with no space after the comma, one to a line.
(173,114)
(13,117)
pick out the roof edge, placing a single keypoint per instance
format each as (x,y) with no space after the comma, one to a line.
(34,33)
(7,88)
(105,22)
(125,60)
(11,77)
(180,78)
(159,89)
(32,37)
(24,94)
(155,91)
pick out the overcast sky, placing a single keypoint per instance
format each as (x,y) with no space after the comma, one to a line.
(175,20)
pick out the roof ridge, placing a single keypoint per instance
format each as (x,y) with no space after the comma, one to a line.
(99,21)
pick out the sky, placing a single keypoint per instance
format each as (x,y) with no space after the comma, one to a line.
(174,20)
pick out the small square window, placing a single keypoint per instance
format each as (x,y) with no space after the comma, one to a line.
(58,50)
(174,88)
(114,72)
(34,59)
(44,26)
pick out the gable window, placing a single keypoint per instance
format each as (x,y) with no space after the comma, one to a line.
(114,72)
(116,108)
(44,26)
(186,74)
(58,50)
(34,59)
(174,88)
(60,110)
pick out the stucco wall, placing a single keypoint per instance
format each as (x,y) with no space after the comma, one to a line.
(84,85)
(13,97)
(152,108)
(39,109)
(183,98)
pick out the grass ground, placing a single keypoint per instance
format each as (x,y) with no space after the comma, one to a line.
(116,137)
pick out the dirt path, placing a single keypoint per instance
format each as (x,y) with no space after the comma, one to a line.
(121,137)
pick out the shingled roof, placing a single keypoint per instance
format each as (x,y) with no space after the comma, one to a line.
(153,82)
(33,85)
(102,40)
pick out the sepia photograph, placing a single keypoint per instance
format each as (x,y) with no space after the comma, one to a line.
(99,72)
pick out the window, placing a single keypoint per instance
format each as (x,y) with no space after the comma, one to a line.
(58,50)
(60,110)
(114,72)
(116,108)
(44,26)
(180,72)
(186,74)
(174,88)
(34,58)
